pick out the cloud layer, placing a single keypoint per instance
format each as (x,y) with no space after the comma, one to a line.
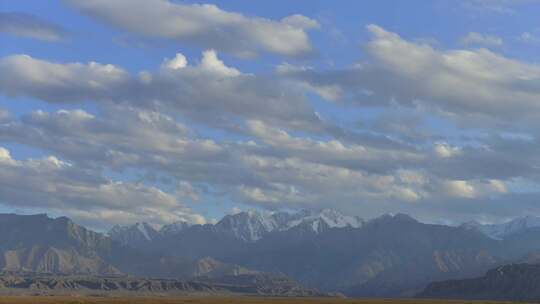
(430,131)
(30,26)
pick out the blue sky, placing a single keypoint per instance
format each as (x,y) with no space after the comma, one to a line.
(423,107)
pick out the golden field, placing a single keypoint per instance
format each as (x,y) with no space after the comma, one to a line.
(213,300)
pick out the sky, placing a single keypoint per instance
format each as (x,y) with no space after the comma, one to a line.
(123,111)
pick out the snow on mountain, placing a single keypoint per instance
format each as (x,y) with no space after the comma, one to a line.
(142,229)
(252,225)
(319,220)
(137,233)
(174,228)
(501,231)
(248,226)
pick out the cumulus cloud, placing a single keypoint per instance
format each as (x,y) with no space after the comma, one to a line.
(209,92)
(444,150)
(475,87)
(58,82)
(30,26)
(58,186)
(122,137)
(473,188)
(204,25)
(178,62)
(458,81)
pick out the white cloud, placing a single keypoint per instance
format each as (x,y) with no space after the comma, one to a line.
(444,150)
(212,63)
(209,92)
(300,21)
(57,82)
(52,184)
(204,25)
(475,38)
(286,155)
(470,87)
(178,62)
(5,156)
(459,188)
(471,189)
(459,81)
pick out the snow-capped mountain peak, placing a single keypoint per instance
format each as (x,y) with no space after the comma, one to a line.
(326,218)
(503,230)
(252,225)
(136,233)
(336,219)
(248,226)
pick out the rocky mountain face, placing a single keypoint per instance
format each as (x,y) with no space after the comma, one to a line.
(516,282)
(40,244)
(137,235)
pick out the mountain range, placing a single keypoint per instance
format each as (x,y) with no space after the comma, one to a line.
(392,255)
(249,226)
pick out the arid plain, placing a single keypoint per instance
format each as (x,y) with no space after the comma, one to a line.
(215,300)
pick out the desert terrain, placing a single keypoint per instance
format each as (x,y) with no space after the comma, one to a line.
(214,300)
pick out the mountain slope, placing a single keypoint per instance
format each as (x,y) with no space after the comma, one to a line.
(517,282)
(391,246)
(40,244)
